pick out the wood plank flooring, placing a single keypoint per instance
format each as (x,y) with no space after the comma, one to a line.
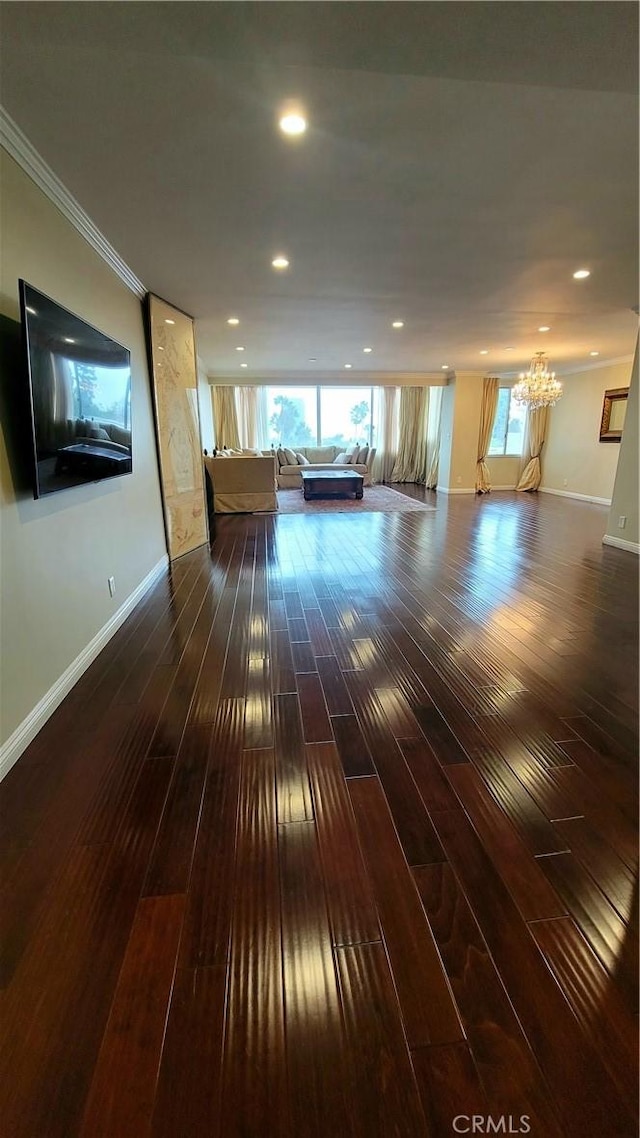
(338,836)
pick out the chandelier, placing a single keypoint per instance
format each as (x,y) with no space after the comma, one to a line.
(538,387)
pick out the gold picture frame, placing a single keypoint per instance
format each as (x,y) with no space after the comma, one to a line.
(614,409)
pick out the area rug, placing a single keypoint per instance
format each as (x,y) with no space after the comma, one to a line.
(377,499)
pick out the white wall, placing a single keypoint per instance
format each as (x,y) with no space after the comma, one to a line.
(58,552)
(574,461)
(504,470)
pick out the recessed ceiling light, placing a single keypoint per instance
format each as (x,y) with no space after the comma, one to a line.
(244,365)
(239,349)
(169,321)
(544,328)
(398,324)
(31,310)
(69,340)
(233,320)
(509,349)
(293,124)
(280,262)
(160,348)
(445,367)
(367,350)
(484,351)
(594,353)
(348,365)
(313,359)
(580,274)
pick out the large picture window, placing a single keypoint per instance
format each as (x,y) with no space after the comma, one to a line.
(507,436)
(320,416)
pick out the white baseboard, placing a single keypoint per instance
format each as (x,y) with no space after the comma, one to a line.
(620,543)
(579,497)
(456,490)
(27,730)
(469,490)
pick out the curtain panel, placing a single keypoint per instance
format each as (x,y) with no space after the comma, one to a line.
(411,463)
(537,422)
(490,389)
(225,417)
(253,427)
(386,419)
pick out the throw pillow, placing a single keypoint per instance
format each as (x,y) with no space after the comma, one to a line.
(282,458)
(363,455)
(341,460)
(99,433)
(320,455)
(352,454)
(302,459)
(290,457)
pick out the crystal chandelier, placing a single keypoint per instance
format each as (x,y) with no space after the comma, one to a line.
(538,387)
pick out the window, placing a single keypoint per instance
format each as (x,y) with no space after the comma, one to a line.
(345,416)
(507,436)
(320,416)
(293,416)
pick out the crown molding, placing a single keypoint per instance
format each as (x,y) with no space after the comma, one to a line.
(337,378)
(25,154)
(560,370)
(596,366)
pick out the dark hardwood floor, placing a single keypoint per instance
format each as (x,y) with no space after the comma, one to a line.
(338,837)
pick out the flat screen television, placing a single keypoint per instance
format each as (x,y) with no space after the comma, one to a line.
(80,394)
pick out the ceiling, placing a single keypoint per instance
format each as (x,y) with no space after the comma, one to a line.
(462,160)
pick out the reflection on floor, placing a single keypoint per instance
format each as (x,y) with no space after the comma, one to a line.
(337,837)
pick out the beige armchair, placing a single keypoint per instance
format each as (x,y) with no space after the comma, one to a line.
(242,484)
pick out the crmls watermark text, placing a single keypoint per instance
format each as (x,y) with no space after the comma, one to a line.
(487,1124)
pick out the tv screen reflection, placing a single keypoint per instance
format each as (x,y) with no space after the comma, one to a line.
(80,382)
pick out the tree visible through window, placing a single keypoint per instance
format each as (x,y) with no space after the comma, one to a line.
(320,416)
(100,393)
(507,436)
(345,416)
(292,416)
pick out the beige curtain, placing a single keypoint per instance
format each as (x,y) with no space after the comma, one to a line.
(434,417)
(490,388)
(386,420)
(246,404)
(537,422)
(225,417)
(411,463)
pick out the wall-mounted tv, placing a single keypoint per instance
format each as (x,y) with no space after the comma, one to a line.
(80,390)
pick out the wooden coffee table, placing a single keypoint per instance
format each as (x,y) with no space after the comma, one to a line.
(322,482)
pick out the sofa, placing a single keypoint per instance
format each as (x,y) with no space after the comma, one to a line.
(242,483)
(321,458)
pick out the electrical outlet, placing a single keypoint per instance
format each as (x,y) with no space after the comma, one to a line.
(622,521)
(111,582)
(565,482)
(459,479)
